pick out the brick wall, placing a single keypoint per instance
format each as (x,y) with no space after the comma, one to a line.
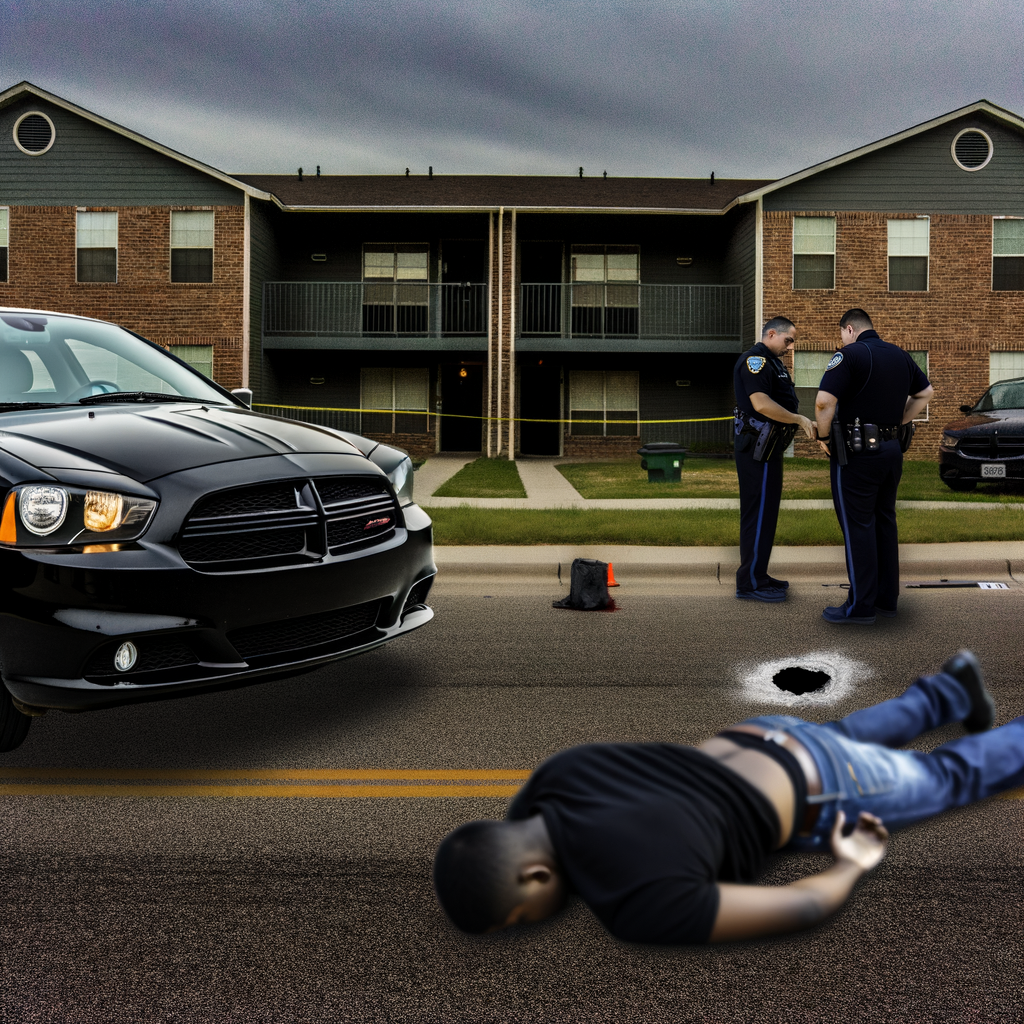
(958,321)
(42,266)
(589,446)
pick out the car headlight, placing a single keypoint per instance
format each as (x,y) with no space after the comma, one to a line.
(398,467)
(948,441)
(49,515)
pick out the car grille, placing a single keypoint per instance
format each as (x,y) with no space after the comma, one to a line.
(992,446)
(287,523)
(156,653)
(308,631)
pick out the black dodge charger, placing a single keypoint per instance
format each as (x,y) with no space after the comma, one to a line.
(158,538)
(987,446)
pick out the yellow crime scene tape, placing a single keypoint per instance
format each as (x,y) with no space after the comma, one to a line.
(461,416)
(334,783)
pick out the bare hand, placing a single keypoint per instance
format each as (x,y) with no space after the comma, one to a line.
(865,846)
(807,426)
(823,445)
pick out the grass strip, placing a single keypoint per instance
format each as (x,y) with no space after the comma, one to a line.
(484,478)
(802,478)
(699,527)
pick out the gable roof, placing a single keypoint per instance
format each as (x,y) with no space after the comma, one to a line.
(23,89)
(981,106)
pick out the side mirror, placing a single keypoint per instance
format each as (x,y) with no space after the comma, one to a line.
(245,394)
(966,408)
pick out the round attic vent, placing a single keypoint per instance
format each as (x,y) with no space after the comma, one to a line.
(34,133)
(971,149)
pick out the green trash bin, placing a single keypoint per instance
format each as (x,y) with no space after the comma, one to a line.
(663,461)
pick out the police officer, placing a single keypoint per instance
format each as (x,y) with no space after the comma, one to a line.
(766,419)
(869,391)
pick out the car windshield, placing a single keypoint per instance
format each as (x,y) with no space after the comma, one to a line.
(1004,395)
(56,360)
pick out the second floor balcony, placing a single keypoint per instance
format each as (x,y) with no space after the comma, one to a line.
(578,316)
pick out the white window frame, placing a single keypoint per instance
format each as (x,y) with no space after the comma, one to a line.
(814,252)
(995,376)
(996,255)
(395,412)
(116,247)
(5,233)
(213,235)
(927,255)
(604,410)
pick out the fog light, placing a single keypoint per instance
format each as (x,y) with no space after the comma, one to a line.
(102,511)
(126,656)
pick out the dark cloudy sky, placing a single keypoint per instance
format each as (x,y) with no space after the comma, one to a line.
(747,88)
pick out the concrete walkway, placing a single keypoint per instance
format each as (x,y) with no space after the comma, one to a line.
(547,488)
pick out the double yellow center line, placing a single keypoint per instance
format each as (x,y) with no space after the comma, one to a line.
(261,782)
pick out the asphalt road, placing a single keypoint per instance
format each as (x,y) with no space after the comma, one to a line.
(282,900)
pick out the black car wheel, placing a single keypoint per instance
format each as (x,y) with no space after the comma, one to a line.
(13,724)
(960,485)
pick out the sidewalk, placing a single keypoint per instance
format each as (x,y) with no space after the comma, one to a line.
(547,488)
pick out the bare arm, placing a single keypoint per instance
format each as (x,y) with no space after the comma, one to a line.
(824,412)
(915,403)
(772,410)
(747,911)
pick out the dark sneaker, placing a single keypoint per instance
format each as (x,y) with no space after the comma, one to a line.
(839,616)
(778,584)
(964,668)
(767,594)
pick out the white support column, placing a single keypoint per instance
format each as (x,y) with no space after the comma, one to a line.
(501,312)
(246,288)
(512,342)
(490,334)
(758,273)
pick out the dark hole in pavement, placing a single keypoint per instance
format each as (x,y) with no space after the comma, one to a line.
(800,680)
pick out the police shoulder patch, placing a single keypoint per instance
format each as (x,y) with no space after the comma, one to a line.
(834,361)
(755,364)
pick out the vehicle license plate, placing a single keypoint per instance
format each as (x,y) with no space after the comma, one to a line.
(993,470)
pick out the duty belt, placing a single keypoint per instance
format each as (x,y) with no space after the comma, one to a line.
(883,433)
(768,433)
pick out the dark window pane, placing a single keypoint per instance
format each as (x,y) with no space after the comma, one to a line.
(622,423)
(1008,273)
(410,423)
(814,272)
(377,423)
(587,319)
(586,428)
(378,319)
(192,265)
(621,320)
(908,273)
(97,264)
(3,263)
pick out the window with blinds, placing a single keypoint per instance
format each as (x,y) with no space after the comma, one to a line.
(192,246)
(814,252)
(395,287)
(604,402)
(1007,254)
(393,400)
(97,247)
(908,255)
(1004,366)
(199,357)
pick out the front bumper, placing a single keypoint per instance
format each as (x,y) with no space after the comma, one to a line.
(63,615)
(955,466)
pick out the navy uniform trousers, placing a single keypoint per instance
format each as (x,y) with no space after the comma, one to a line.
(760,494)
(864,496)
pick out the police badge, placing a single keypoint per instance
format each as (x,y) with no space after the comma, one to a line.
(755,364)
(834,361)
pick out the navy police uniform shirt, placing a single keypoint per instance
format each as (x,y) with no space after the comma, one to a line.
(759,370)
(872,380)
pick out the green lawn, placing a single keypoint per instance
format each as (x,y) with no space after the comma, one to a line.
(802,478)
(484,478)
(699,527)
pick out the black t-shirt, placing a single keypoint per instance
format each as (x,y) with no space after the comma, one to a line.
(881,397)
(759,370)
(643,831)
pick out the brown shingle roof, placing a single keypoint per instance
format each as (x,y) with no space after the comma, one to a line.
(489,191)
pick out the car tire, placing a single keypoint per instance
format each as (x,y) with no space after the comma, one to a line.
(960,485)
(13,724)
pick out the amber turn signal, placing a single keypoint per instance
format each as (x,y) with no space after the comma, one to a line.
(8,527)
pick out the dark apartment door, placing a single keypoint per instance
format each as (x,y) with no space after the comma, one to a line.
(463,286)
(540,391)
(462,395)
(540,270)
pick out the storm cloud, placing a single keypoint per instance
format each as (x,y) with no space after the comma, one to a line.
(634,87)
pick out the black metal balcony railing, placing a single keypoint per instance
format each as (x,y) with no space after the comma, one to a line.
(582,310)
(705,311)
(356,308)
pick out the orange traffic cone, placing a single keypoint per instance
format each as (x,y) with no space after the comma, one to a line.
(611,576)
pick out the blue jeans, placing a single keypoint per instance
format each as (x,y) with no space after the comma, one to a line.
(861,771)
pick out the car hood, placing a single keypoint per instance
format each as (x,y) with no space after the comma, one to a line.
(147,442)
(986,422)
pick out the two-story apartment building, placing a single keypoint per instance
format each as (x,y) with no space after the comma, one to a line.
(577,315)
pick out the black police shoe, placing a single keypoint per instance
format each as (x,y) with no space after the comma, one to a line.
(838,615)
(770,595)
(964,668)
(778,584)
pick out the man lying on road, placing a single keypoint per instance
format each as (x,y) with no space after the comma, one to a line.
(663,841)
